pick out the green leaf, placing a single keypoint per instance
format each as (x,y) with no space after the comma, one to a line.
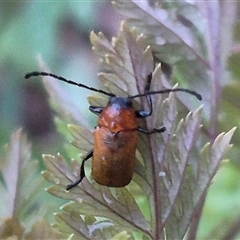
(233,65)
(18,171)
(167,168)
(21,201)
(68,110)
(93,200)
(181,34)
(195,183)
(165,29)
(121,236)
(82,138)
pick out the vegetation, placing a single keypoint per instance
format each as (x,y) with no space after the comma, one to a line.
(169,196)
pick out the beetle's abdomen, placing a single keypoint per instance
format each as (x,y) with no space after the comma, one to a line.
(113,157)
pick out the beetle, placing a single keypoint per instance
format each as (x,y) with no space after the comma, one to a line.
(116,134)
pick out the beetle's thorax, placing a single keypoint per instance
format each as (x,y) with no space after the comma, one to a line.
(118,115)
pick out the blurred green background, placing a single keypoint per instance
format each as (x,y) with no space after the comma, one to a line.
(58,32)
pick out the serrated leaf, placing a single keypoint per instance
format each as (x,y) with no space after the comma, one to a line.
(58,166)
(196,183)
(21,199)
(68,111)
(178,39)
(73,224)
(18,171)
(82,138)
(177,160)
(167,164)
(128,62)
(98,201)
(163,30)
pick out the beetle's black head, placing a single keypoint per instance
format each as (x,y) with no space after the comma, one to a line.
(120,102)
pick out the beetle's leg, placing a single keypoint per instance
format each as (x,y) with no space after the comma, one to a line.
(82,171)
(143,113)
(155,130)
(95,109)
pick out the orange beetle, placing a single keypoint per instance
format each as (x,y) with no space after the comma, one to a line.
(115,136)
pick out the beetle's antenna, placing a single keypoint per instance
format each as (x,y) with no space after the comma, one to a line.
(198,96)
(35,74)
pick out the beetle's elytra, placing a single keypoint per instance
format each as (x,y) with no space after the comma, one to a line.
(116,134)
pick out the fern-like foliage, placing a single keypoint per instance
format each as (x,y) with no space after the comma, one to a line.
(173,170)
(20,194)
(185,35)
